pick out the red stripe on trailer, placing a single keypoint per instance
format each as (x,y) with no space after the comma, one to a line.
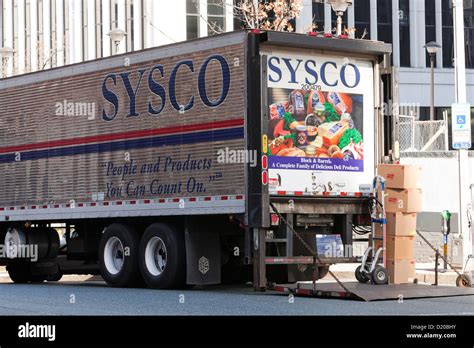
(45,207)
(146,201)
(343,194)
(118,203)
(132,202)
(207,198)
(298,193)
(176,200)
(93,204)
(239,197)
(2,209)
(224,198)
(105,203)
(283,193)
(192,199)
(162,200)
(326,194)
(358,194)
(82,204)
(56,206)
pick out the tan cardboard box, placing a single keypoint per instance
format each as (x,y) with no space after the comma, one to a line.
(401,271)
(400,176)
(403,200)
(398,224)
(397,248)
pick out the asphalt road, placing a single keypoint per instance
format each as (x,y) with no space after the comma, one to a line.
(92,297)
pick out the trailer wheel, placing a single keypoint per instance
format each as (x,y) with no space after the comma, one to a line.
(163,257)
(379,276)
(323,271)
(118,256)
(463,281)
(19,272)
(360,276)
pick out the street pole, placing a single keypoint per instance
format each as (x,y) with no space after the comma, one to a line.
(463,168)
(432,110)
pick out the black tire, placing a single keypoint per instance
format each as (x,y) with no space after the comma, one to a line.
(157,274)
(19,272)
(127,242)
(323,271)
(54,277)
(379,276)
(463,281)
(361,277)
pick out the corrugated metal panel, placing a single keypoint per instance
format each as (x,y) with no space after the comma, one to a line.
(63,158)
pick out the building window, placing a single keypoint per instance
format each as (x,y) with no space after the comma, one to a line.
(404,23)
(192,19)
(362,19)
(318,16)
(430,26)
(448,34)
(215,17)
(384,20)
(469,36)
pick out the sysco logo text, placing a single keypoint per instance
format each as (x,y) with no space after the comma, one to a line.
(298,71)
(162,87)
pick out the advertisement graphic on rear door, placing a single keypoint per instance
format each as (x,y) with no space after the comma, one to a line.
(320,123)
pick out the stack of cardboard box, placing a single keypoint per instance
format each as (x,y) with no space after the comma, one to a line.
(402,201)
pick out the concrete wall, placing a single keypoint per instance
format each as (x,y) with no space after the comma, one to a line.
(440,192)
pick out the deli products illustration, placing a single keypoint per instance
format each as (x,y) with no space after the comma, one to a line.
(316,124)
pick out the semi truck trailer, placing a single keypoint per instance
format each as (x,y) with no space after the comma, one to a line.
(192,163)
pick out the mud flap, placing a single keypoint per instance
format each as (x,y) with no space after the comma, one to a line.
(203,253)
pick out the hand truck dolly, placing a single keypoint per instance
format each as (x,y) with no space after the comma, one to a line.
(371,269)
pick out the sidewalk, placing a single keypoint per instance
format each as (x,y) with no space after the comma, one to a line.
(425,273)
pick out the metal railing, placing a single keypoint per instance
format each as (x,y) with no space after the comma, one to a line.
(421,136)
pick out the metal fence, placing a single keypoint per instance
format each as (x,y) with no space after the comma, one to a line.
(415,135)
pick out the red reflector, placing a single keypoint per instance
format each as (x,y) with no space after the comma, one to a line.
(32,207)
(264,178)
(192,199)
(358,194)
(224,198)
(106,203)
(239,197)
(93,204)
(162,200)
(312,33)
(281,193)
(146,201)
(44,207)
(82,204)
(298,193)
(343,194)
(327,35)
(326,194)
(275,219)
(207,198)
(2,209)
(175,200)
(56,205)
(119,203)
(255,31)
(343,36)
(133,202)
(264,162)
(22,208)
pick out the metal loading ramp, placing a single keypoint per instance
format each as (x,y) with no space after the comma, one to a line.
(369,292)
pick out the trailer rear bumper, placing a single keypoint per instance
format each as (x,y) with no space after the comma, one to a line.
(320,205)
